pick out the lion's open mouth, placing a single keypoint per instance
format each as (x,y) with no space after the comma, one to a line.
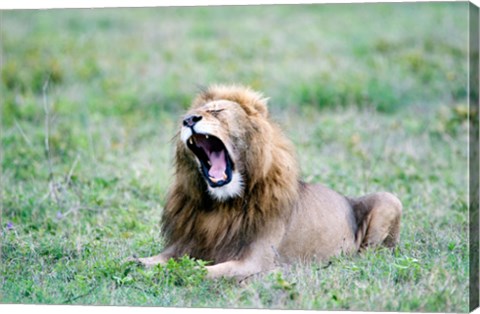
(214,158)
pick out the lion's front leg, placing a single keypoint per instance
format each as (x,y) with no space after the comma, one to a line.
(234,269)
(260,257)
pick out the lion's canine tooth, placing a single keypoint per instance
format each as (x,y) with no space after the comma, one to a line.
(190,141)
(206,136)
(209,163)
(214,180)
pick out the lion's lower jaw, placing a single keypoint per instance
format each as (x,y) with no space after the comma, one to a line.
(230,190)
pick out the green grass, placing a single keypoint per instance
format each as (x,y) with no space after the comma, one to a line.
(373,97)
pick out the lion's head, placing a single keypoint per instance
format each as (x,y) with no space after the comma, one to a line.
(227,134)
(235,171)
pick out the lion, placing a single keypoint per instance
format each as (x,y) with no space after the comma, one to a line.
(237,200)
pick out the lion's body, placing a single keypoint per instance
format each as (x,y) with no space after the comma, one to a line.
(335,234)
(237,200)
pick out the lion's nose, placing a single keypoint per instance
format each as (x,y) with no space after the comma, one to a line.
(191,120)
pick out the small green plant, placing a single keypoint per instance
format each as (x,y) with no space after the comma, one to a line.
(287,287)
(184,271)
(407,268)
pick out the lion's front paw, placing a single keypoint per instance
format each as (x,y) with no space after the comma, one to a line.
(133,259)
(147,261)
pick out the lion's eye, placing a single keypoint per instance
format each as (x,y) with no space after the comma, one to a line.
(215,112)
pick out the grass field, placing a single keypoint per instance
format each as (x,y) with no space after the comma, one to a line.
(373,97)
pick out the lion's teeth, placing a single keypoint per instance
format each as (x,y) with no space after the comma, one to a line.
(214,180)
(209,163)
(190,141)
(206,136)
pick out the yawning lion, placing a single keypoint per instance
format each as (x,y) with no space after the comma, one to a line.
(237,200)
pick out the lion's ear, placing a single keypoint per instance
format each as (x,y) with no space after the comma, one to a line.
(250,99)
(261,106)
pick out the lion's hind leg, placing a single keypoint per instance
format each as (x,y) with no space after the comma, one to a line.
(378,218)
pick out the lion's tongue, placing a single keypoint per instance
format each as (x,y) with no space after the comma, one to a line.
(219,165)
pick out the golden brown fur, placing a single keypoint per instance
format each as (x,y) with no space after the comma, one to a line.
(267,215)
